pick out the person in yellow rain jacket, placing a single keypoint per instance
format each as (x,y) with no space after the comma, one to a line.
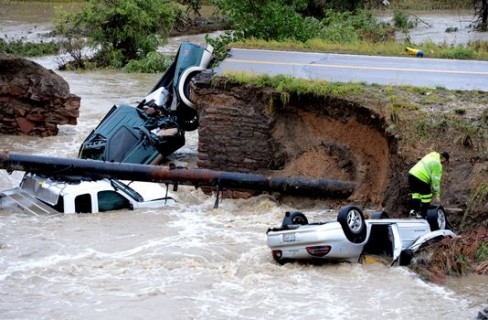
(424,181)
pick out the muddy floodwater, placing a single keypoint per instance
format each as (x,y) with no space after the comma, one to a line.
(441,27)
(187,260)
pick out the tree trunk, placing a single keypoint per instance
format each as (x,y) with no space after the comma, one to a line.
(484,12)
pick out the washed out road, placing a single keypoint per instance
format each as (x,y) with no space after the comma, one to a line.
(414,71)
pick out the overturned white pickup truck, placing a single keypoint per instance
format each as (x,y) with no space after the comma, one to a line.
(41,195)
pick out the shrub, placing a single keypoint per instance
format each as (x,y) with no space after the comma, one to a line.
(402,21)
(121,30)
(154,62)
(353,27)
(28,49)
(269,19)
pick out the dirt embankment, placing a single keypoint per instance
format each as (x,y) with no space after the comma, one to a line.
(363,137)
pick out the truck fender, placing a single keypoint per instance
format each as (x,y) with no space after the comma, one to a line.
(184,85)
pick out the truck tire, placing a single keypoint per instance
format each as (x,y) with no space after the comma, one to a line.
(352,221)
(436,217)
(294,218)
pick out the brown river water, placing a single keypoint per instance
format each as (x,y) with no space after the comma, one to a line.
(188,260)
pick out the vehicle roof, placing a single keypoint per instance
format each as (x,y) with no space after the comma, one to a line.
(33,183)
(48,189)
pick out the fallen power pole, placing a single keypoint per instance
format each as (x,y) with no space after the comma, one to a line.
(94,169)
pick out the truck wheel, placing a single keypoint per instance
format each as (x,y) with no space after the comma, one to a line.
(351,219)
(436,217)
(295,217)
(185,90)
(187,118)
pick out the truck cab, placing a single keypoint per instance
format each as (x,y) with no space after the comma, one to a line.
(41,195)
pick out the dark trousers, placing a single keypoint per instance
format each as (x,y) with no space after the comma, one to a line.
(421,195)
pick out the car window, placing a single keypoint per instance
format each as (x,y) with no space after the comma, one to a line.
(118,185)
(83,203)
(111,200)
(125,140)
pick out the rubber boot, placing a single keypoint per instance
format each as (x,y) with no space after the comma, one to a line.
(415,207)
(424,207)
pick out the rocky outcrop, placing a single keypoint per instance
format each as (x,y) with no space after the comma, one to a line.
(33,100)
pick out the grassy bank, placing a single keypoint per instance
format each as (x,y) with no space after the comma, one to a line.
(474,51)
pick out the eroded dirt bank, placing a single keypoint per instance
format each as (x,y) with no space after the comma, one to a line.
(363,139)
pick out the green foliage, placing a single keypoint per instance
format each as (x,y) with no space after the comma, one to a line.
(396,106)
(402,21)
(154,62)
(343,5)
(457,52)
(120,30)
(484,117)
(28,49)
(338,28)
(220,45)
(422,128)
(269,19)
(465,132)
(353,27)
(482,252)
(281,20)
(478,196)
(193,6)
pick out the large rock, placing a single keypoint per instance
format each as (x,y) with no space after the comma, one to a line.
(33,100)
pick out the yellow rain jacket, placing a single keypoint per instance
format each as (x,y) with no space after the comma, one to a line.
(429,170)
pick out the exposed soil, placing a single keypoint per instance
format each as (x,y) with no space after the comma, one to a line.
(360,137)
(320,147)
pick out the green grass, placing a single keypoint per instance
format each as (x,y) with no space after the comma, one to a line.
(472,51)
(29,49)
(298,87)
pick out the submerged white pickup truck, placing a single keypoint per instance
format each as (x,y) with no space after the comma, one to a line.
(42,195)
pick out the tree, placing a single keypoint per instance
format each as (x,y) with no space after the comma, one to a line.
(269,19)
(481,13)
(120,30)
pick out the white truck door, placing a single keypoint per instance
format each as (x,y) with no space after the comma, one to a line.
(396,241)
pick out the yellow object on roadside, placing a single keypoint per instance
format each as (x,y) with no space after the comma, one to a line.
(414,52)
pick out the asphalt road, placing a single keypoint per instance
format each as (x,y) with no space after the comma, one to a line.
(415,71)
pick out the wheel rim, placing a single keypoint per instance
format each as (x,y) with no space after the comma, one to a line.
(298,220)
(441,219)
(354,221)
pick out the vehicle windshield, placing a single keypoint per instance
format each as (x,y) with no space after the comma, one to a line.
(118,185)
